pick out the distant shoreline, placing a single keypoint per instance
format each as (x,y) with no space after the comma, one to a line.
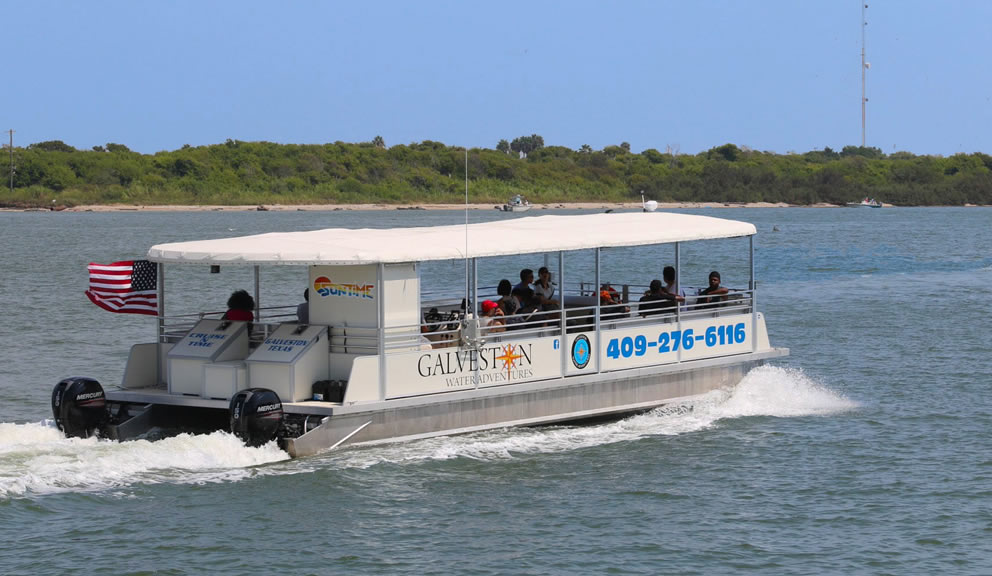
(342,207)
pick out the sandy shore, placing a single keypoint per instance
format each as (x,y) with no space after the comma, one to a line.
(333,207)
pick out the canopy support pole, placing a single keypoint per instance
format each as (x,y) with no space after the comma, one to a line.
(258,303)
(380,312)
(472,304)
(159,371)
(562,322)
(472,311)
(678,283)
(754,293)
(599,339)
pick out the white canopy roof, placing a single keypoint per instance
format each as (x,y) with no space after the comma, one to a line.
(527,235)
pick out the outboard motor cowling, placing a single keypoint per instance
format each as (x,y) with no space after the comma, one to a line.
(256,414)
(79,406)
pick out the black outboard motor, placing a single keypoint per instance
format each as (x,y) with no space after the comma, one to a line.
(256,414)
(79,406)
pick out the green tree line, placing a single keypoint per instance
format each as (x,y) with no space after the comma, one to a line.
(238,172)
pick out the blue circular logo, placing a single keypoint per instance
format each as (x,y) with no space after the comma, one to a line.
(581,351)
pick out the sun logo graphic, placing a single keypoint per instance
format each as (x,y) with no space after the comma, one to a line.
(509,358)
(323,286)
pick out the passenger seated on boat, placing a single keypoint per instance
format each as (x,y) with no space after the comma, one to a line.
(491,317)
(611,307)
(522,301)
(714,293)
(526,279)
(240,307)
(303,309)
(506,303)
(544,290)
(614,295)
(656,300)
(677,294)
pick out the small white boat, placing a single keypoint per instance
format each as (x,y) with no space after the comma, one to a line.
(649,205)
(516,204)
(382,360)
(866,203)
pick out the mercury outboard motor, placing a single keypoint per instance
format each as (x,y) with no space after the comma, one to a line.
(256,414)
(79,406)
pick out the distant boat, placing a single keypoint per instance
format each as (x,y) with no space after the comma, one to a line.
(516,204)
(648,206)
(866,203)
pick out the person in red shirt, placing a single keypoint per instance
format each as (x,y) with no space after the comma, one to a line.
(240,307)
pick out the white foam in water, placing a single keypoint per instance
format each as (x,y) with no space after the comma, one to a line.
(38,459)
(765,391)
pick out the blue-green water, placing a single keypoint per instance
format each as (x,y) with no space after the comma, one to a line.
(868,451)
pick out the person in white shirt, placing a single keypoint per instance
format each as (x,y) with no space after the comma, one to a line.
(544,290)
(668,274)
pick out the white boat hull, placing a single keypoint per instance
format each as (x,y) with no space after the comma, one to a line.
(529,404)
(509,208)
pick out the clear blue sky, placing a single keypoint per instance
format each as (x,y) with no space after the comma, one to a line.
(771,75)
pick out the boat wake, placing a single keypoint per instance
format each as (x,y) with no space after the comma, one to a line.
(39,459)
(36,459)
(765,391)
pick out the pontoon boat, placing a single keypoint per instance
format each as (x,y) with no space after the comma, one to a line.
(379,362)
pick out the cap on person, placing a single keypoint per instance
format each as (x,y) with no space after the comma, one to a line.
(488,306)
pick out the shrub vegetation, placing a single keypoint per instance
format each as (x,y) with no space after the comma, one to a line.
(238,172)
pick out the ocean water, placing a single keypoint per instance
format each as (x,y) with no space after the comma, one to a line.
(867,451)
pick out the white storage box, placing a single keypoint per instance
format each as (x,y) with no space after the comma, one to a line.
(290,360)
(209,342)
(221,380)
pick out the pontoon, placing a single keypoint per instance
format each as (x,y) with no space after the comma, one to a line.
(381,361)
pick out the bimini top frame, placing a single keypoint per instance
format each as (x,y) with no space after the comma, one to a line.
(552,233)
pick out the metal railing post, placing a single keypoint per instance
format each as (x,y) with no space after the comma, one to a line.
(473,308)
(381,329)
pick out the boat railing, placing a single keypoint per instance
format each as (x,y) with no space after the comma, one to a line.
(354,340)
(174,327)
(581,304)
(442,327)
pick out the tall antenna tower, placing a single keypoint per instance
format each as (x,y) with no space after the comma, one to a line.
(11,132)
(864,68)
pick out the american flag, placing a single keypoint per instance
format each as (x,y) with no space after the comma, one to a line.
(129,287)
